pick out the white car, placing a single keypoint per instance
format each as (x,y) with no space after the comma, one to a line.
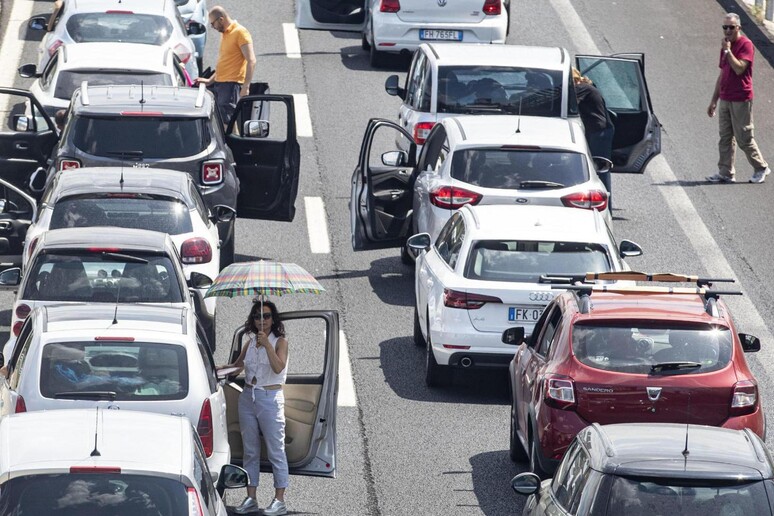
(96,63)
(491,268)
(88,461)
(148,22)
(196,20)
(128,357)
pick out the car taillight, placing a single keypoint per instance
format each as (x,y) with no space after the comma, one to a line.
(194,504)
(491,7)
(31,248)
(389,6)
(54,47)
(466,300)
(196,250)
(204,428)
(17,326)
(212,172)
(559,392)
(421,132)
(745,397)
(182,52)
(592,200)
(22,311)
(20,405)
(453,197)
(94,469)
(69,164)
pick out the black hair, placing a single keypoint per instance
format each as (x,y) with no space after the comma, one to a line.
(277,328)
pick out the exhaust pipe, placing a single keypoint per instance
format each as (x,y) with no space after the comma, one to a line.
(466,362)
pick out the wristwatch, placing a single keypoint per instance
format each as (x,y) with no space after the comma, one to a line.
(726,51)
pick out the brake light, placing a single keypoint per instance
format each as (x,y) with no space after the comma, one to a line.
(196,250)
(69,164)
(466,300)
(421,132)
(194,504)
(141,113)
(182,52)
(204,428)
(103,249)
(559,391)
(17,326)
(115,11)
(491,7)
(115,339)
(745,397)
(593,200)
(389,6)
(22,311)
(453,197)
(212,172)
(54,47)
(31,248)
(20,405)
(94,469)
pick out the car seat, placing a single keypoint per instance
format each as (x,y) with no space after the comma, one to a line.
(140,283)
(160,367)
(67,281)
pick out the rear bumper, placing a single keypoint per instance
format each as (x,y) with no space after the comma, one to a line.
(480,360)
(390,34)
(485,350)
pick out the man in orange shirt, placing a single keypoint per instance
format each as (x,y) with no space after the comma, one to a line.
(236,63)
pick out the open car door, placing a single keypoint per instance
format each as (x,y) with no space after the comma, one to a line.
(267,156)
(17,211)
(310,391)
(345,15)
(27,136)
(621,80)
(382,193)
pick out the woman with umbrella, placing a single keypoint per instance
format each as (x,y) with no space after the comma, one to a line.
(262,403)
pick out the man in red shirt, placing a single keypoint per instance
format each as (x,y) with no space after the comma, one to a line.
(734,90)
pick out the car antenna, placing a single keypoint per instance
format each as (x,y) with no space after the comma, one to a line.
(95,452)
(518,120)
(685,450)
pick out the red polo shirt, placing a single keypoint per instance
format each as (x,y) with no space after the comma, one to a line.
(737,88)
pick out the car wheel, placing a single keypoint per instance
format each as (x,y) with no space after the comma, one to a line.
(419,339)
(518,453)
(364,41)
(534,463)
(435,375)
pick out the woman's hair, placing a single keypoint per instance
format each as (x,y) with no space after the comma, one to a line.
(578,78)
(277,328)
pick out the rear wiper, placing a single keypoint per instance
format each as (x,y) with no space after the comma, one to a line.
(86,395)
(124,257)
(535,184)
(673,366)
(472,108)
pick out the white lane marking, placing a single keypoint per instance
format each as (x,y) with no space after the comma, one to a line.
(292,44)
(347,396)
(317,225)
(710,255)
(12,47)
(303,118)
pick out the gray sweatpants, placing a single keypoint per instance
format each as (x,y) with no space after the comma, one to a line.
(263,411)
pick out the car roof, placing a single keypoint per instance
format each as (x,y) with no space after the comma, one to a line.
(100,180)
(638,305)
(55,440)
(115,320)
(107,237)
(556,223)
(101,55)
(545,58)
(530,131)
(135,6)
(163,100)
(657,450)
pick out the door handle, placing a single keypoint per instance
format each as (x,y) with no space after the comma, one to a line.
(5,225)
(21,146)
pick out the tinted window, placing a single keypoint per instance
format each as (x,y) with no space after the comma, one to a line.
(647,497)
(132,370)
(138,211)
(156,138)
(69,81)
(450,240)
(514,169)
(629,349)
(102,277)
(526,91)
(569,490)
(547,337)
(122,27)
(511,260)
(93,494)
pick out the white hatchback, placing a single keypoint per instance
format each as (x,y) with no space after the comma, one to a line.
(492,267)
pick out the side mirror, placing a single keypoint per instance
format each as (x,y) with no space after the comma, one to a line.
(256,129)
(194,29)
(627,249)
(750,344)
(395,158)
(38,23)
(222,213)
(391,86)
(12,277)
(603,165)
(38,180)
(525,484)
(420,242)
(513,336)
(21,124)
(28,71)
(231,477)
(199,280)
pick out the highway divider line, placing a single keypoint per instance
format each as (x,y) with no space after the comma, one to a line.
(292,44)
(303,118)
(347,397)
(317,225)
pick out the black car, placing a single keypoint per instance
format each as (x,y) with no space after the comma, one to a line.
(637,469)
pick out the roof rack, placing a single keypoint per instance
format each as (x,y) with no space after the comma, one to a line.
(663,277)
(85,93)
(200,97)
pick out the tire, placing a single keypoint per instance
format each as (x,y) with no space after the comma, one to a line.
(364,42)
(376,57)
(419,339)
(435,375)
(517,451)
(534,463)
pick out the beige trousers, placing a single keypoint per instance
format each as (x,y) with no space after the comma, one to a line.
(736,128)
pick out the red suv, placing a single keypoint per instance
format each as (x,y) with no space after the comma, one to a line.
(628,355)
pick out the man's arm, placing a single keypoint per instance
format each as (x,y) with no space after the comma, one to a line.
(715,96)
(737,65)
(249,55)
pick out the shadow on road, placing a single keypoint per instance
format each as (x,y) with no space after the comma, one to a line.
(492,474)
(391,280)
(5,317)
(355,58)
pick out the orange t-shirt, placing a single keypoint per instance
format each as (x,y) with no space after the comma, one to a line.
(232,65)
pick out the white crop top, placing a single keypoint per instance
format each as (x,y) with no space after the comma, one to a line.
(258,370)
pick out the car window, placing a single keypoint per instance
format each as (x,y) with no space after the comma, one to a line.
(12,202)
(433,148)
(425,89)
(640,349)
(125,210)
(519,169)
(209,365)
(49,72)
(198,202)
(415,78)
(450,240)
(618,80)
(547,337)
(127,27)
(569,488)
(203,478)
(132,370)
(526,260)
(21,350)
(70,80)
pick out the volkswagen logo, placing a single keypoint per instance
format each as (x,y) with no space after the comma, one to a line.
(541,296)
(441,3)
(654,393)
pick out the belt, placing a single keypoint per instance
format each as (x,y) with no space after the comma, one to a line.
(265,387)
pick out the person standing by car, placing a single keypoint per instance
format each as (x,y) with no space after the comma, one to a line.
(732,98)
(236,63)
(262,403)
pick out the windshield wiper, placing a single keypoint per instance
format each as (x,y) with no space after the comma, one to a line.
(472,108)
(86,395)
(536,184)
(123,257)
(673,366)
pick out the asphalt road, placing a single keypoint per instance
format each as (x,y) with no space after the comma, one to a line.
(404,448)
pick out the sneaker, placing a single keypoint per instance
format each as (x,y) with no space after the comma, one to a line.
(719,178)
(247,506)
(275,508)
(760,175)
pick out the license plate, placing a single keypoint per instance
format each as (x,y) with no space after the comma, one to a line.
(524,313)
(444,35)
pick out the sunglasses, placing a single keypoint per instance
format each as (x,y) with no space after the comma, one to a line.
(212,23)
(730,27)
(265,317)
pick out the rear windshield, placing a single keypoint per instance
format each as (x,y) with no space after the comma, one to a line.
(107,277)
(103,494)
(68,81)
(526,261)
(652,349)
(137,211)
(647,497)
(519,169)
(512,90)
(119,27)
(155,137)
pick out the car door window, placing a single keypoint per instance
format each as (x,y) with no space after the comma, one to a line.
(456,238)
(425,89)
(568,485)
(203,478)
(18,360)
(49,72)
(547,337)
(412,93)
(209,365)
(618,80)
(442,243)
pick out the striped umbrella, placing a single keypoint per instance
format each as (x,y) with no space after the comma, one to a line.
(263,278)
